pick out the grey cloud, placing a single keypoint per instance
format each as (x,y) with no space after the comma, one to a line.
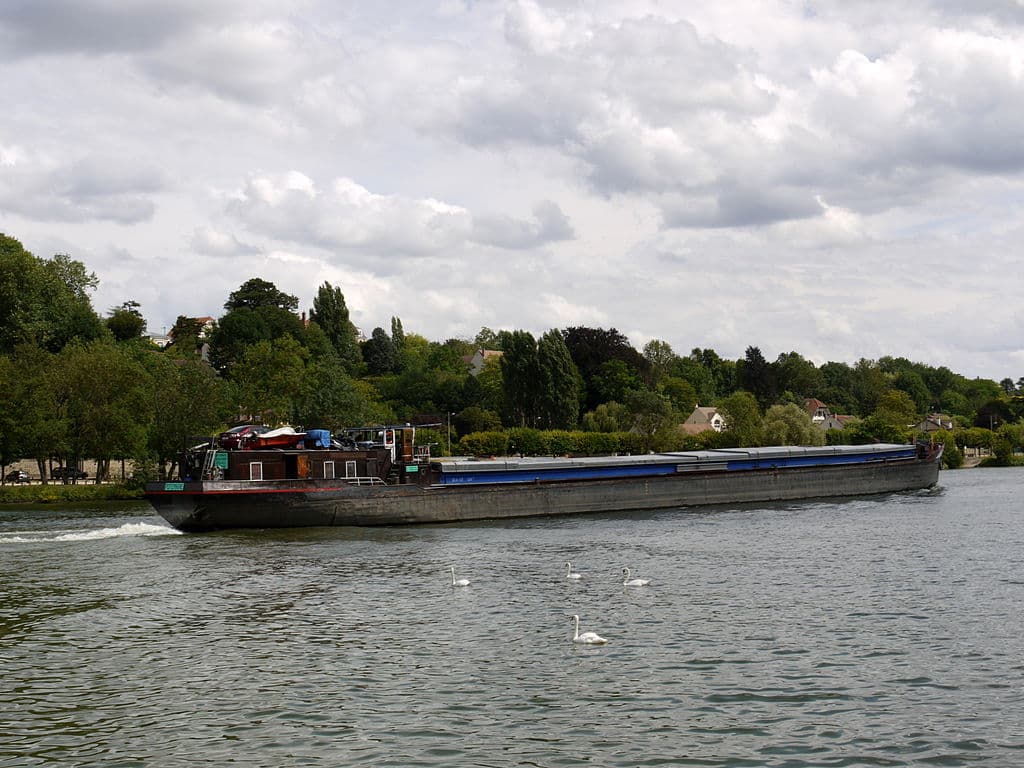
(550,224)
(40,27)
(90,189)
(738,206)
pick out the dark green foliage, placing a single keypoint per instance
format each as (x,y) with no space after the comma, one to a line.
(379,353)
(330,313)
(559,384)
(44,302)
(591,348)
(126,322)
(476,419)
(256,293)
(755,375)
(520,372)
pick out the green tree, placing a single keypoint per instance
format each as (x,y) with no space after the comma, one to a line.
(188,399)
(896,408)
(591,348)
(330,399)
(106,395)
(790,425)
(560,383)
(256,312)
(270,379)
(660,357)
(607,417)
(330,312)
(742,420)
(613,380)
(379,352)
(44,302)
(649,414)
(520,374)
(256,293)
(755,375)
(126,322)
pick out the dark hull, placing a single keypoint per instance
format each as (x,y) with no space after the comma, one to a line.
(288,504)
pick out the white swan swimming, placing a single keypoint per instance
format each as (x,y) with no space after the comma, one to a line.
(570,574)
(458,582)
(628,582)
(587,638)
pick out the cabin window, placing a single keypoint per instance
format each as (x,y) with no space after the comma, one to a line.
(256,470)
(328,470)
(350,469)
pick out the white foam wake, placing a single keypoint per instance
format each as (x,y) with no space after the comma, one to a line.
(128,529)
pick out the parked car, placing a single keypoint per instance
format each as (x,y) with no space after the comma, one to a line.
(17,476)
(234,437)
(68,473)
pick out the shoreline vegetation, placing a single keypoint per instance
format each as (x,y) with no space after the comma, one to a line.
(59,493)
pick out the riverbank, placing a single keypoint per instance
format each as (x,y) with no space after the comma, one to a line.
(56,493)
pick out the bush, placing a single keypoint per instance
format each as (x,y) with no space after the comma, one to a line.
(485,444)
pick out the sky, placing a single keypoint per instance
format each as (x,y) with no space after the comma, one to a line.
(839,178)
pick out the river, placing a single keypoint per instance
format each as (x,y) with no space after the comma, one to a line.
(879,631)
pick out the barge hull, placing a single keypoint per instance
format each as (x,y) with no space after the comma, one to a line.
(211,505)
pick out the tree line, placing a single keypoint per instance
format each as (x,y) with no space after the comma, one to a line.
(76,385)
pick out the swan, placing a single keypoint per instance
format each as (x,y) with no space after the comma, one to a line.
(570,574)
(628,582)
(458,582)
(587,638)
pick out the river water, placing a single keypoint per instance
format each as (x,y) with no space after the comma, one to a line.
(881,631)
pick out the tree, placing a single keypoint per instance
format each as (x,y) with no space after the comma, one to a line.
(256,312)
(560,383)
(590,348)
(755,375)
(659,357)
(520,374)
(613,380)
(44,302)
(187,400)
(379,352)
(329,398)
(487,339)
(742,419)
(256,293)
(896,409)
(186,336)
(106,396)
(126,322)
(790,425)
(680,393)
(269,379)
(331,313)
(649,413)
(796,374)
(607,417)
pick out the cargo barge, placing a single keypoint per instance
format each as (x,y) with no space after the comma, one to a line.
(319,481)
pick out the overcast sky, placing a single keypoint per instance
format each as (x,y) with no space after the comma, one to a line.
(839,178)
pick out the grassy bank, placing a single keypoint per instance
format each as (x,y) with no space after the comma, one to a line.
(53,493)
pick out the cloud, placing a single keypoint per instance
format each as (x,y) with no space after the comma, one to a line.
(91,188)
(549,225)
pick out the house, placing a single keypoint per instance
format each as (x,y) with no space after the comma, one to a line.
(821,416)
(704,419)
(933,422)
(477,360)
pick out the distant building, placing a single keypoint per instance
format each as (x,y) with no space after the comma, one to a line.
(821,416)
(704,419)
(478,359)
(933,422)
